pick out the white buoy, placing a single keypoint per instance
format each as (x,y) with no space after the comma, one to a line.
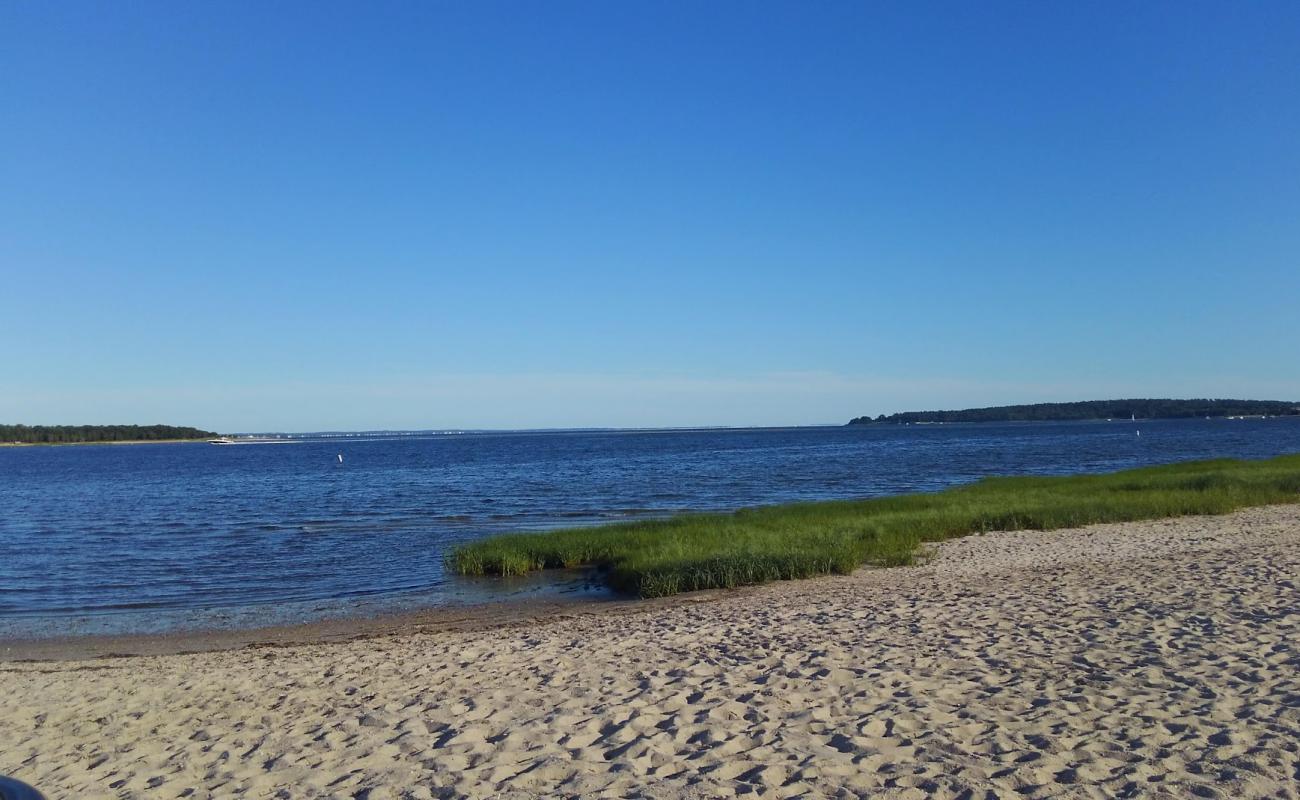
(1139,433)
(340,458)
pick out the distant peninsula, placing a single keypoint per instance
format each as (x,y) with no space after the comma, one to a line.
(91,434)
(1095,410)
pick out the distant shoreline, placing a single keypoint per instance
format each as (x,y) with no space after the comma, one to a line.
(102,441)
(1124,410)
(1082,420)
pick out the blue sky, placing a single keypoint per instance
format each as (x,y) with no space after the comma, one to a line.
(254,216)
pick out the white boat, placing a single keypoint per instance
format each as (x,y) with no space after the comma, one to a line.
(221,440)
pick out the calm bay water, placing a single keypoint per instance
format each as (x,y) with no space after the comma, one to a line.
(143,538)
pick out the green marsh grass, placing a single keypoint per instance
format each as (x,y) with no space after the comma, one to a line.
(755,545)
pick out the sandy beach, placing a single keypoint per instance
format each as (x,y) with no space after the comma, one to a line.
(1154,659)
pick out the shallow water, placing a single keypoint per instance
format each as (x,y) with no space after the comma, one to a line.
(139,538)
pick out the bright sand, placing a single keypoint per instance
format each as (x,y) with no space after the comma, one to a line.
(1159,659)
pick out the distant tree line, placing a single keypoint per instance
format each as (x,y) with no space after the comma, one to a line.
(1097,409)
(69,434)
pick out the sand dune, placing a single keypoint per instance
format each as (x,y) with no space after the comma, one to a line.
(1154,659)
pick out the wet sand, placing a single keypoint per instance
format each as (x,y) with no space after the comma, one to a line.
(1154,659)
(443,619)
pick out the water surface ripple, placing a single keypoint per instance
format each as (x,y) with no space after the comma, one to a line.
(158,537)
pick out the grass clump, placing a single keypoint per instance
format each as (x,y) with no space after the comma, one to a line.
(800,540)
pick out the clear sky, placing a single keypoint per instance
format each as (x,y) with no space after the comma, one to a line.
(282,216)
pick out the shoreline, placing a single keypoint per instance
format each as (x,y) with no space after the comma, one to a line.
(101,442)
(1145,658)
(1180,492)
(690,552)
(490,616)
(1085,421)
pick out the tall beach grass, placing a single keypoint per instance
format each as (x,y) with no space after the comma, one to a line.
(755,545)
